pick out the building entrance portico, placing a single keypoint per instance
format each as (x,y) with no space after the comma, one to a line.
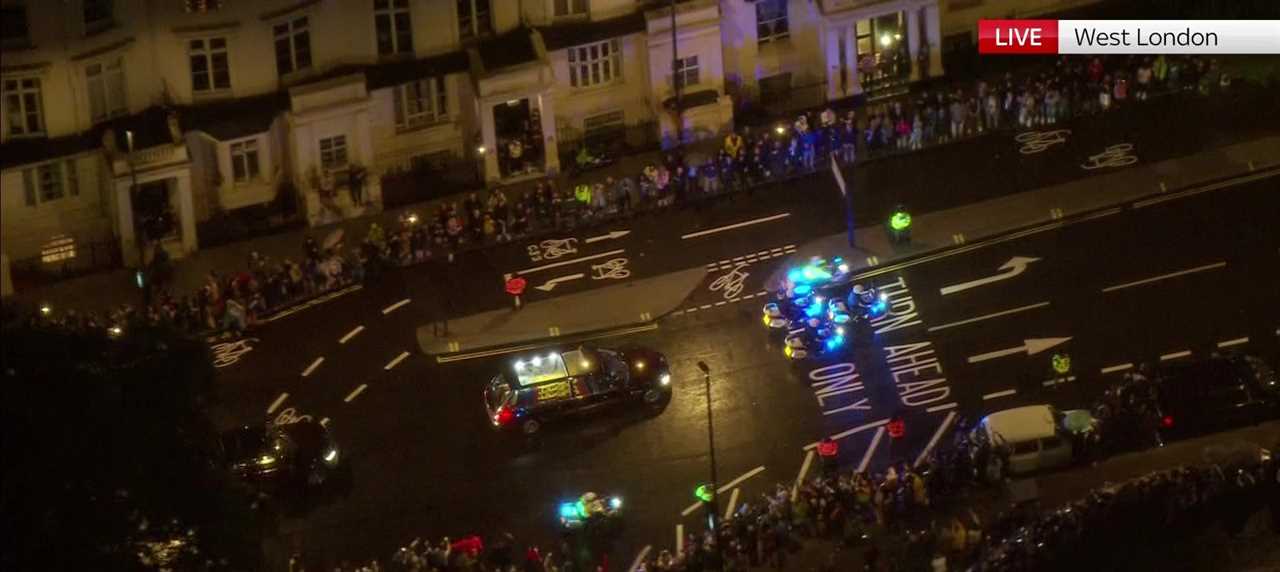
(518,136)
(878,47)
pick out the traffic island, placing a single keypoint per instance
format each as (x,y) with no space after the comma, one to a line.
(612,310)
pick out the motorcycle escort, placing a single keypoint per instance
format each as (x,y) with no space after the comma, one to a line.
(590,512)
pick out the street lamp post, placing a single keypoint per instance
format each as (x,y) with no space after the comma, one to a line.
(139,231)
(714,504)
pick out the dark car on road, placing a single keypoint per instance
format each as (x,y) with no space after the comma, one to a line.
(1221,392)
(536,389)
(272,455)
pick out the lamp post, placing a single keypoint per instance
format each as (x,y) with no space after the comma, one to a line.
(714,504)
(139,231)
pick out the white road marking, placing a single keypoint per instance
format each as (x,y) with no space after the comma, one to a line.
(989,316)
(611,235)
(353,333)
(1015,266)
(635,564)
(313,366)
(315,302)
(688,510)
(324,422)
(1213,266)
(394,307)
(946,424)
(848,432)
(1204,189)
(1000,394)
(396,361)
(722,302)
(574,261)
(1234,342)
(550,285)
(1175,355)
(733,226)
(679,538)
(804,471)
(705,306)
(1030,346)
(871,449)
(356,393)
(1115,368)
(733,500)
(276,404)
(738,481)
(943,407)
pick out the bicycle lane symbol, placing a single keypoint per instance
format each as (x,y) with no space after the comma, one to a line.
(552,248)
(229,353)
(730,284)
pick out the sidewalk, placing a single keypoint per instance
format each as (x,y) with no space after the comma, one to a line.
(631,304)
(950,228)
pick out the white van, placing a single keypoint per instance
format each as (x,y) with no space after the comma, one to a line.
(1035,435)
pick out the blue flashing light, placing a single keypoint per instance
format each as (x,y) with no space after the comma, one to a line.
(879,308)
(803,289)
(569,510)
(814,310)
(834,342)
(794,276)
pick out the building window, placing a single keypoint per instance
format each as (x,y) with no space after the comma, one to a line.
(106,89)
(14,30)
(604,127)
(293,45)
(244,161)
(687,71)
(59,248)
(595,64)
(771,21)
(333,153)
(570,7)
(50,182)
(202,6)
(421,102)
(98,15)
(210,68)
(22,106)
(473,18)
(395,30)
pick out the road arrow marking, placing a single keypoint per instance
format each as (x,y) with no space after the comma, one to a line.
(1029,347)
(1015,266)
(550,285)
(610,236)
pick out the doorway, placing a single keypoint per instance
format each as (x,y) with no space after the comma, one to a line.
(517,127)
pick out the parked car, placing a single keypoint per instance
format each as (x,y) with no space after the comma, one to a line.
(537,389)
(1221,392)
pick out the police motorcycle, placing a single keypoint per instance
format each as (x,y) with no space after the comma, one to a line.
(792,304)
(590,512)
(819,338)
(864,304)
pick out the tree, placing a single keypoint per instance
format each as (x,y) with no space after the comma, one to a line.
(107,456)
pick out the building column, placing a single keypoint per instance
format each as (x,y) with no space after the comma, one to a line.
(372,192)
(186,212)
(489,140)
(851,57)
(913,41)
(550,148)
(933,35)
(124,223)
(831,56)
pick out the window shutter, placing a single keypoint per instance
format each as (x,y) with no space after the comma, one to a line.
(29,187)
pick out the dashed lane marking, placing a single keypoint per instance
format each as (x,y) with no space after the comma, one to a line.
(848,432)
(276,404)
(989,316)
(704,306)
(740,479)
(1115,368)
(313,366)
(733,500)
(679,539)
(733,226)
(355,393)
(999,394)
(933,441)
(763,255)
(1058,381)
(520,348)
(1213,266)
(315,302)
(1175,355)
(1235,342)
(635,564)
(353,333)
(943,407)
(394,307)
(721,303)
(396,361)
(871,449)
(873,260)
(688,510)
(804,471)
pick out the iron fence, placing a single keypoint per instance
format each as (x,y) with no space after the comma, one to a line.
(89,257)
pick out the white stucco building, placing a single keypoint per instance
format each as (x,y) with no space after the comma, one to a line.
(128,124)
